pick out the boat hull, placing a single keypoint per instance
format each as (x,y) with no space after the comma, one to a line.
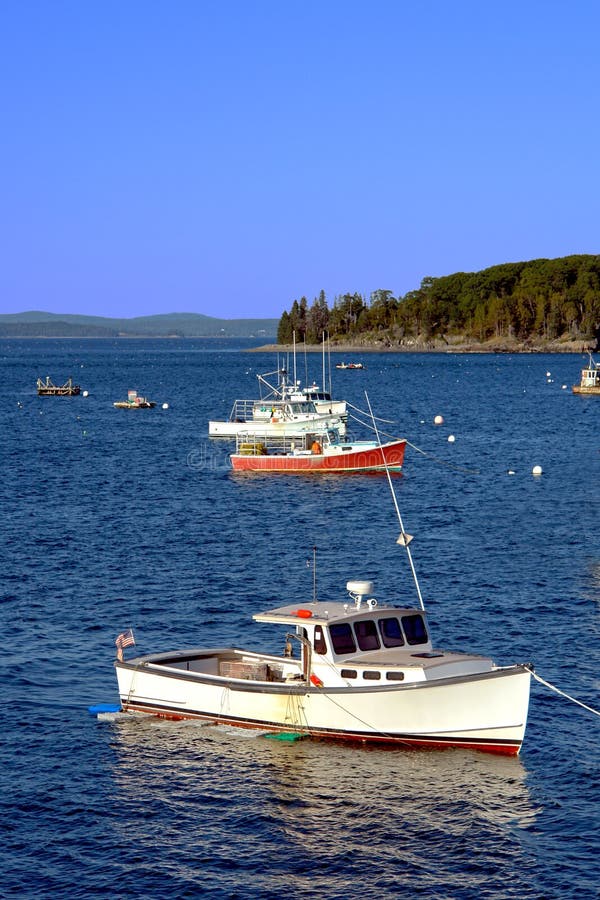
(586,389)
(267,428)
(124,404)
(59,392)
(487,711)
(360,459)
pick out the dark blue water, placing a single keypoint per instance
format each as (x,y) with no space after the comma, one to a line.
(113,520)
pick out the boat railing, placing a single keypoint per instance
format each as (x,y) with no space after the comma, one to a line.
(249,410)
(251,444)
(241,411)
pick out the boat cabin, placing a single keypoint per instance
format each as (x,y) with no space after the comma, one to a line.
(283,409)
(590,376)
(303,444)
(342,644)
(312,392)
(272,410)
(335,645)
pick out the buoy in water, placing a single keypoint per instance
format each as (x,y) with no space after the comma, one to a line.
(510,472)
(439,420)
(564,387)
(85,394)
(165,406)
(537,470)
(548,374)
(451,438)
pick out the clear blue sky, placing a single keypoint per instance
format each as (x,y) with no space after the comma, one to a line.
(228,157)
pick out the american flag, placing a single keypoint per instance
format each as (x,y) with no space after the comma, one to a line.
(125,639)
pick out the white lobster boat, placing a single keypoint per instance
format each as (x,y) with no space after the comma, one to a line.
(274,418)
(284,410)
(364,671)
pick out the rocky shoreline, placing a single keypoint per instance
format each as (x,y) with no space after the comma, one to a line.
(414,345)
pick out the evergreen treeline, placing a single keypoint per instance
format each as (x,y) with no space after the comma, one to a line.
(545,299)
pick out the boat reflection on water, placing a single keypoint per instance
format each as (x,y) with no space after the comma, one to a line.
(229,794)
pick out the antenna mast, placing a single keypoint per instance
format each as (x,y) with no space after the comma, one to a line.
(294,337)
(404,539)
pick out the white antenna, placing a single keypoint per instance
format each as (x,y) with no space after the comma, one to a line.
(404,539)
(294,340)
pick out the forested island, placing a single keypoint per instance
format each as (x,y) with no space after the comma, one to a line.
(546,304)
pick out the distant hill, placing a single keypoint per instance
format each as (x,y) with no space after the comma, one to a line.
(44,324)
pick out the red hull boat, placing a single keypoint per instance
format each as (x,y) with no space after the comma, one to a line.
(318,454)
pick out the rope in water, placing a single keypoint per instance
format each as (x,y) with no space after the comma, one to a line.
(430,456)
(562,693)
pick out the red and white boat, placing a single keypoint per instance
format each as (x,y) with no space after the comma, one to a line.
(315,453)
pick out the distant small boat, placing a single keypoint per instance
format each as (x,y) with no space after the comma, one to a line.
(316,453)
(134,402)
(590,379)
(351,365)
(48,389)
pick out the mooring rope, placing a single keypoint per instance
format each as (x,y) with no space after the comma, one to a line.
(363,413)
(430,456)
(562,693)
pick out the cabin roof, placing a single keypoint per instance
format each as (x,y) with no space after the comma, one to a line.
(324,613)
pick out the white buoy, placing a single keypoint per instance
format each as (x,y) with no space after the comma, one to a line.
(548,374)
(451,438)
(510,472)
(439,420)
(85,394)
(165,406)
(564,387)
(537,470)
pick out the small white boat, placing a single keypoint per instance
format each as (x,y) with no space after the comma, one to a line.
(134,401)
(590,379)
(351,365)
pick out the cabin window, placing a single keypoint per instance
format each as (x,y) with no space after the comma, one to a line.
(342,639)
(394,676)
(391,632)
(371,676)
(366,635)
(319,642)
(299,408)
(414,629)
(348,673)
